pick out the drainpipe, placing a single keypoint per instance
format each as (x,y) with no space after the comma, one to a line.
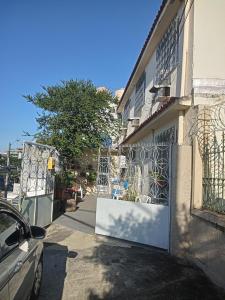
(180,131)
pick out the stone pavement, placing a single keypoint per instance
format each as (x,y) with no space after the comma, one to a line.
(82,266)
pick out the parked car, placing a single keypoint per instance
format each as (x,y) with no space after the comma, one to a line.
(21,255)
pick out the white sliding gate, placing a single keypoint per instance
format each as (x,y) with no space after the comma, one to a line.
(137,206)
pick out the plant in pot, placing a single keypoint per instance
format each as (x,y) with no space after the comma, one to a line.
(131,194)
(158,178)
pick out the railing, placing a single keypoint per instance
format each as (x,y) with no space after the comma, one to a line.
(214,173)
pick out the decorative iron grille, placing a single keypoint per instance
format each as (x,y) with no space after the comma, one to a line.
(214,173)
(139,95)
(36,179)
(139,173)
(209,128)
(167,136)
(126,113)
(103,175)
(167,52)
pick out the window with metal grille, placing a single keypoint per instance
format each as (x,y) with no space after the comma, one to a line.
(167,53)
(139,95)
(168,136)
(126,112)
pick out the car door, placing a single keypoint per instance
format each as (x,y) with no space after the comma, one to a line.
(21,272)
(6,223)
(4,275)
(19,258)
(4,278)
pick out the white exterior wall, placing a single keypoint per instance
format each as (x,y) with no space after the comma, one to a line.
(209,39)
(209,46)
(150,70)
(202,67)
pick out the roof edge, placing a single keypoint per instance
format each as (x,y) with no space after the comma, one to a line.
(162,6)
(185,104)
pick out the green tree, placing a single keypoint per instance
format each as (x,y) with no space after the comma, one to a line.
(75,116)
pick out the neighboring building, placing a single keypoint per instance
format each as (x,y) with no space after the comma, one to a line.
(119,93)
(181,67)
(111,142)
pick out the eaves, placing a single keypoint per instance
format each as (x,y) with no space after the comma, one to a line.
(166,113)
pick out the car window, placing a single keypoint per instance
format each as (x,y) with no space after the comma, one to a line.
(8,226)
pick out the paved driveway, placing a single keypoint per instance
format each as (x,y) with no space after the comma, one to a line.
(79,265)
(83,219)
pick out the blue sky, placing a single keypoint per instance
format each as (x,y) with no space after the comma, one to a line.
(45,41)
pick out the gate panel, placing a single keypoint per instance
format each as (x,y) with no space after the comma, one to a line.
(137,222)
(37,183)
(140,186)
(103,177)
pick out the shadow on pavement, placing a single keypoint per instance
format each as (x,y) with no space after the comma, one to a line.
(146,273)
(137,273)
(54,273)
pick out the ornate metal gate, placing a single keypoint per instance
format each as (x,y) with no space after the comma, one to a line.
(103,176)
(37,183)
(139,173)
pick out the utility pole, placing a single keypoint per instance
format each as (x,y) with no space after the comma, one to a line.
(8,171)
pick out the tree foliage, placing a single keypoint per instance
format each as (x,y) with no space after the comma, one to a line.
(75,116)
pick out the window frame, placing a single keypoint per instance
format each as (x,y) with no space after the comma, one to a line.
(126,112)
(25,233)
(140,93)
(167,52)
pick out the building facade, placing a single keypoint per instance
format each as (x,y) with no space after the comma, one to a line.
(175,95)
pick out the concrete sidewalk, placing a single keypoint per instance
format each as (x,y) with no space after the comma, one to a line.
(83,219)
(81,266)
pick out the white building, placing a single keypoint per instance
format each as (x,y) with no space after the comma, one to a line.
(180,68)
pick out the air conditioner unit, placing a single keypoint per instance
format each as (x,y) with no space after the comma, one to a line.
(162,93)
(123,130)
(161,99)
(163,90)
(135,122)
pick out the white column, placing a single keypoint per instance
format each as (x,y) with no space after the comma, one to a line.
(180,131)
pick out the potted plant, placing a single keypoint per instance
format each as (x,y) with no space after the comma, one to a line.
(158,178)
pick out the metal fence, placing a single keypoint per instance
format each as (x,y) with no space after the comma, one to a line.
(37,183)
(210,131)
(138,173)
(38,210)
(36,179)
(214,173)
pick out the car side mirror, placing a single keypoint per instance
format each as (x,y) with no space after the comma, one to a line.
(37,232)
